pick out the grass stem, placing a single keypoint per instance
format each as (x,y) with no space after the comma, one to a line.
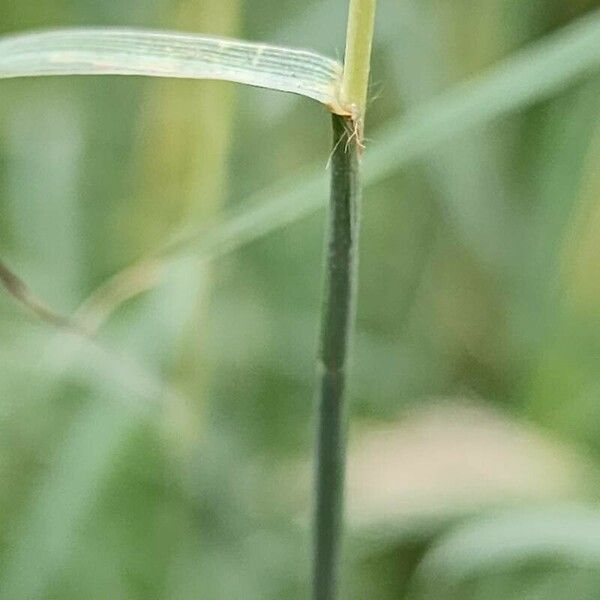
(335,328)
(338,303)
(357,61)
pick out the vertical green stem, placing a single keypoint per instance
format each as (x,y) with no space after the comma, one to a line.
(335,328)
(357,61)
(339,299)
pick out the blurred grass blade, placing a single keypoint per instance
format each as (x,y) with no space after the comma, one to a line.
(19,290)
(125,393)
(568,533)
(529,76)
(475,200)
(42,545)
(164,54)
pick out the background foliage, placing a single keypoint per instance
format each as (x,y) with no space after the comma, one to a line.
(173,461)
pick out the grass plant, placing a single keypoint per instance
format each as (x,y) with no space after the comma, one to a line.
(149,198)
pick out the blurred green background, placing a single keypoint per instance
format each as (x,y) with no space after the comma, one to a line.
(173,460)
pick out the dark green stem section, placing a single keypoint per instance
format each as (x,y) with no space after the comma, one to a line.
(336,323)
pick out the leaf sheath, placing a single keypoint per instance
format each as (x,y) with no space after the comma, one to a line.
(335,329)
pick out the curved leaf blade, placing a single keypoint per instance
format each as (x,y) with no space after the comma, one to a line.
(165,54)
